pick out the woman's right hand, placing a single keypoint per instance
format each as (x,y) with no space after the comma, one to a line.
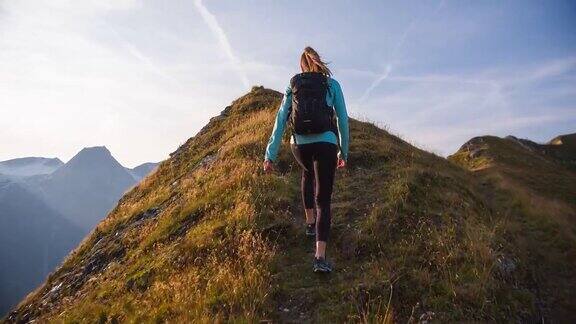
(341,163)
(268,166)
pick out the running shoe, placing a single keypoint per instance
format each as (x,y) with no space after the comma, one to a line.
(322,266)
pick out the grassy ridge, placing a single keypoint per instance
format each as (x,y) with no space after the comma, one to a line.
(539,191)
(210,237)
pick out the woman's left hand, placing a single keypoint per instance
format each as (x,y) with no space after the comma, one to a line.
(268,166)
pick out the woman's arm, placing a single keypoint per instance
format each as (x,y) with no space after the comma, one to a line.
(342,118)
(279,126)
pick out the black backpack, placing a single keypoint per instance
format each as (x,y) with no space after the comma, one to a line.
(310,114)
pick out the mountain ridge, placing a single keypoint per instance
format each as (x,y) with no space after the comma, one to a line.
(29,166)
(86,187)
(140,171)
(537,167)
(540,179)
(210,237)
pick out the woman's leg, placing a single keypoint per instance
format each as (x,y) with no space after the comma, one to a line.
(325,160)
(310,219)
(304,157)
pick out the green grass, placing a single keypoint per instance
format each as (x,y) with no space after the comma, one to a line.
(534,192)
(412,233)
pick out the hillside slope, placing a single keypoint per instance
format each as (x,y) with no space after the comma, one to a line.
(547,170)
(208,236)
(563,148)
(539,181)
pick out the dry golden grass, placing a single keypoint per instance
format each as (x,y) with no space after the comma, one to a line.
(535,193)
(414,236)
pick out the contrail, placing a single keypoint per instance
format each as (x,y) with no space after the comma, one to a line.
(394,52)
(214,26)
(376,82)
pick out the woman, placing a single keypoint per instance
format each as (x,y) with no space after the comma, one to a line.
(316,152)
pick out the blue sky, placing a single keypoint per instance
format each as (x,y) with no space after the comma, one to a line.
(140,77)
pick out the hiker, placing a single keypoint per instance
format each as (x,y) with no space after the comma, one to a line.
(314,103)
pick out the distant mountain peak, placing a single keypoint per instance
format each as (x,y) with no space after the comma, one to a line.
(93,155)
(142,170)
(29,166)
(95,150)
(44,213)
(29,159)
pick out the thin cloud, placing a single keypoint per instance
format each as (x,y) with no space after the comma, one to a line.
(215,27)
(456,135)
(143,58)
(445,110)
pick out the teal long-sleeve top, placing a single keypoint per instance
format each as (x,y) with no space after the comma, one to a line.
(335,99)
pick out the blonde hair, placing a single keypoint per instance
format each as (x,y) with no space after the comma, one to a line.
(310,61)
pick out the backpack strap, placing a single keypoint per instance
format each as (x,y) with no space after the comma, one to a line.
(290,111)
(288,122)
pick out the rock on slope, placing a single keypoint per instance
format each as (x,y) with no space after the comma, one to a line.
(209,237)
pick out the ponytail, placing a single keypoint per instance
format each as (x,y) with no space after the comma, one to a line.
(310,61)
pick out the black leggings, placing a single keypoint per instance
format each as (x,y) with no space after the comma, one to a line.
(318,161)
